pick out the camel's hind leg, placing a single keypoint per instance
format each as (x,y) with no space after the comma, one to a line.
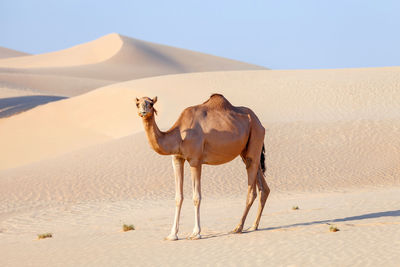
(251,157)
(263,189)
(251,192)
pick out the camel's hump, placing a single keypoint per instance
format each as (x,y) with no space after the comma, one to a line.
(218,100)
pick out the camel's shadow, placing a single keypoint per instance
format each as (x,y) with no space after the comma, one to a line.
(392,213)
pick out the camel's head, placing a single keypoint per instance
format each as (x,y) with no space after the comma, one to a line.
(145,106)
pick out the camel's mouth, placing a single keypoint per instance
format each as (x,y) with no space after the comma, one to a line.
(142,114)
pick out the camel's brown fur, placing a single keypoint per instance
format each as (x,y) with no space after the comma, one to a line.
(214,132)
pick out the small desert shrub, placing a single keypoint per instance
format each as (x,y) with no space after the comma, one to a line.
(127,228)
(295,208)
(46,235)
(333,228)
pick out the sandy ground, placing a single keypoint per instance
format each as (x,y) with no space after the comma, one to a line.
(89,234)
(74,161)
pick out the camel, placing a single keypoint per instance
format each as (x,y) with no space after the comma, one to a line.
(213,133)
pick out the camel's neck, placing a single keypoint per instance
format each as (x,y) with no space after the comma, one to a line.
(164,143)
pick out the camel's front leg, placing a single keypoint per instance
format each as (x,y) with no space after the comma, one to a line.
(177,164)
(196,176)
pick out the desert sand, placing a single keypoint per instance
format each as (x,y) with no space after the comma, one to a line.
(75,162)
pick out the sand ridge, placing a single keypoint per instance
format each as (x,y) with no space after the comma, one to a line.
(8,53)
(87,53)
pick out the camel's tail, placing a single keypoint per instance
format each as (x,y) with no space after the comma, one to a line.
(262,160)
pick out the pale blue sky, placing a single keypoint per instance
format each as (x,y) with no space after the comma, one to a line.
(291,34)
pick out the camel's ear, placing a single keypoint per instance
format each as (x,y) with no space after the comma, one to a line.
(137,99)
(154,100)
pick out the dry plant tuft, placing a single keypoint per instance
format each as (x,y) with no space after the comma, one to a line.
(127,228)
(333,228)
(46,235)
(295,208)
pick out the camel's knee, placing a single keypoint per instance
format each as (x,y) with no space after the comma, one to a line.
(178,200)
(254,195)
(196,200)
(265,193)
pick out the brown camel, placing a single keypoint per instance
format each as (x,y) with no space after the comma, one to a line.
(214,133)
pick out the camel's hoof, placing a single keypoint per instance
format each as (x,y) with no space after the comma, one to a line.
(194,237)
(237,230)
(171,238)
(253,228)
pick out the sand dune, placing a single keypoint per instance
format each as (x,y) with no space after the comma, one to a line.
(87,53)
(117,49)
(14,105)
(8,53)
(7,91)
(276,96)
(51,84)
(109,59)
